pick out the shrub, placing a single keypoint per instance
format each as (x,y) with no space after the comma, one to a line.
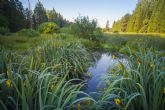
(28,33)
(48,28)
(4,30)
(86,28)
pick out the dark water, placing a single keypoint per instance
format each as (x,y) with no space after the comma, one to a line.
(99,71)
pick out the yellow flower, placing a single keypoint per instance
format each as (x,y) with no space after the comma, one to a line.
(152,65)
(113,56)
(8,83)
(164,90)
(117,101)
(79,106)
(120,66)
(52,87)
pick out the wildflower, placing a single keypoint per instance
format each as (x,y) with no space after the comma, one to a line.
(164,90)
(117,101)
(113,56)
(8,83)
(152,65)
(52,87)
(120,66)
(79,106)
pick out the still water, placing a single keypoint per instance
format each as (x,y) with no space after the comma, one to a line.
(99,71)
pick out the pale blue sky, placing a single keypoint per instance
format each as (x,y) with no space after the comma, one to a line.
(102,10)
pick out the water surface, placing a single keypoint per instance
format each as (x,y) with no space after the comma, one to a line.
(99,71)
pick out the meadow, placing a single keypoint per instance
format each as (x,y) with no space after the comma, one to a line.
(47,71)
(52,62)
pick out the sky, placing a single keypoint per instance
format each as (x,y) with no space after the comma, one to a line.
(102,10)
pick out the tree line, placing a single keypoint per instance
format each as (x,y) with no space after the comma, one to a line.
(15,17)
(148,17)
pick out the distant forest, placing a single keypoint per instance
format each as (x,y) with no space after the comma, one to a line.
(14,17)
(148,17)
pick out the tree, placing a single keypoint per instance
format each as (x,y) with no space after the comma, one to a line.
(116,27)
(28,18)
(157,21)
(13,12)
(30,15)
(148,16)
(39,15)
(107,25)
(53,16)
(86,28)
(124,22)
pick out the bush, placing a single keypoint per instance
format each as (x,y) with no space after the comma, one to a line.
(4,30)
(48,28)
(28,33)
(86,28)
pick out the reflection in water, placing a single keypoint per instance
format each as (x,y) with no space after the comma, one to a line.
(100,70)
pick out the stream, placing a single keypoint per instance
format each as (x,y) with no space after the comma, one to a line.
(99,71)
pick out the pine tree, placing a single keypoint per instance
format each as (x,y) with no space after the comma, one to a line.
(39,15)
(148,16)
(124,22)
(13,12)
(107,25)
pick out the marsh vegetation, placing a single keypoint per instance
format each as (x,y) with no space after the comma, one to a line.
(57,65)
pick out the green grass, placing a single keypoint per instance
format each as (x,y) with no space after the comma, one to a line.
(44,77)
(118,42)
(45,72)
(140,87)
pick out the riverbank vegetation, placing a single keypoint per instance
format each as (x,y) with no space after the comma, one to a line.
(43,65)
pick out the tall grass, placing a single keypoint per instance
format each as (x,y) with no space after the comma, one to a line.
(40,91)
(44,78)
(140,87)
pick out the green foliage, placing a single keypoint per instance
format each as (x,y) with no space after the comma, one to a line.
(118,42)
(148,17)
(42,78)
(145,76)
(4,30)
(67,30)
(48,28)
(37,90)
(3,21)
(28,33)
(137,87)
(116,27)
(121,25)
(86,28)
(53,16)
(13,14)
(39,15)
